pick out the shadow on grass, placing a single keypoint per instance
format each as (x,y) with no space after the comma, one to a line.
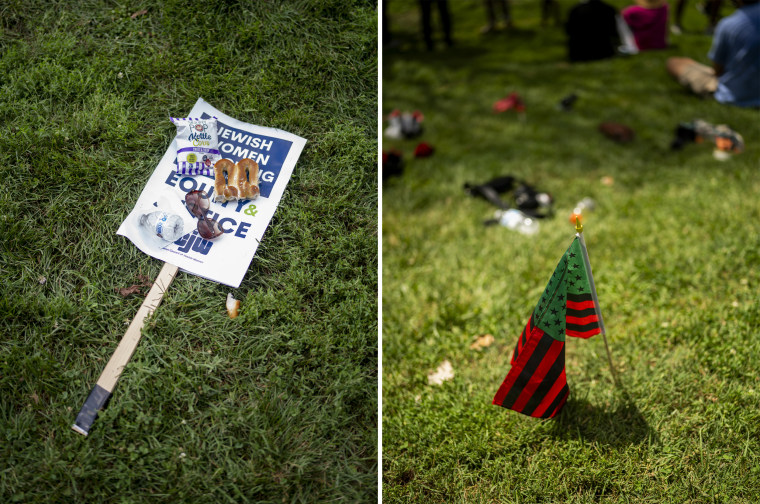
(467,52)
(413,50)
(623,426)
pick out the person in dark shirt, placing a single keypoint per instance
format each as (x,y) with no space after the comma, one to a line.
(592,31)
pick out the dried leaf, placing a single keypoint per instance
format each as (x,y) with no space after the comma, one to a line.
(483,341)
(445,372)
(128,291)
(617,132)
(139,288)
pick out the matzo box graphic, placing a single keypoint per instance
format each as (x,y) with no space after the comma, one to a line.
(224,259)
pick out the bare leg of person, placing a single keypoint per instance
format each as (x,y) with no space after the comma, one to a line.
(676,65)
(676,27)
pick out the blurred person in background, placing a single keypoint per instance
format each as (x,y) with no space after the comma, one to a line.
(711,9)
(426,7)
(591,30)
(648,21)
(506,17)
(734,77)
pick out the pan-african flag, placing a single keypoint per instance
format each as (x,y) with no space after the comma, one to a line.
(536,384)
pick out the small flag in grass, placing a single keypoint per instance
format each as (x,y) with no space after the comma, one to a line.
(536,384)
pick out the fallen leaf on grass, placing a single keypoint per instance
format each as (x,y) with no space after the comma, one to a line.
(445,372)
(617,132)
(139,13)
(483,341)
(145,284)
(126,291)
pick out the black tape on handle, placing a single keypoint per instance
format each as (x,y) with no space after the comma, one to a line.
(95,402)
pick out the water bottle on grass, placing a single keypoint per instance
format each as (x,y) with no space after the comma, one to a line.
(517,220)
(165,225)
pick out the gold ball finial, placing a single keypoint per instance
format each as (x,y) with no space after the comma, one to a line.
(578,225)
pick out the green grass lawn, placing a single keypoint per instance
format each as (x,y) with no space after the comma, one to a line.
(278,405)
(673,243)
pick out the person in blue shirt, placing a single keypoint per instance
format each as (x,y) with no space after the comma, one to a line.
(734,77)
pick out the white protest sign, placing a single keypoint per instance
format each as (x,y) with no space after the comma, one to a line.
(224,259)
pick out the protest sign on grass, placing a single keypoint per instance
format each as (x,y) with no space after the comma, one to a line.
(224,259)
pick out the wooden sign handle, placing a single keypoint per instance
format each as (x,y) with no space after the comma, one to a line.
(105,385)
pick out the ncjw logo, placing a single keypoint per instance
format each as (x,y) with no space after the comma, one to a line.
(192,241)
(268,152)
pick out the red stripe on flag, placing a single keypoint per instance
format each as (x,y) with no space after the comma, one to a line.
(584,334)
(523,357)
(518,348)
(582,320)
(522,340)
(551,395)
(579,305)
(498,399)
(538,376)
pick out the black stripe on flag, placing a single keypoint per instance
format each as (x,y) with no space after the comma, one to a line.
(556,401)
(581,313)
(582,328)
(534,361)
(579,297)
(551,377)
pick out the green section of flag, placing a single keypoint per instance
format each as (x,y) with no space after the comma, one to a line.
(569,276)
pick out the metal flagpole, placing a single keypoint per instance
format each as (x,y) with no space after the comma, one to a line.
(579,234)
